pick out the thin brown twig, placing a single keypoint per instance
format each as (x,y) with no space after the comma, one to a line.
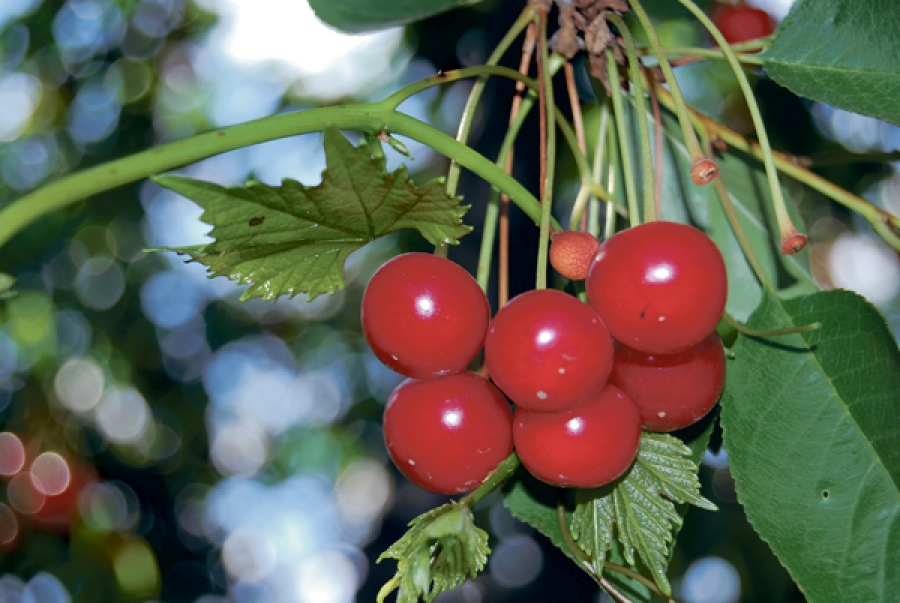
(503,261)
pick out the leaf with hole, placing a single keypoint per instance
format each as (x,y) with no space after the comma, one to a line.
(812,427)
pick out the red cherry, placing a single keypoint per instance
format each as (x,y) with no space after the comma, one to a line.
(547,350)
(424,315)
(447,434)
(672,391)
(741,23)
(659,287)
(587,446)
(572,252)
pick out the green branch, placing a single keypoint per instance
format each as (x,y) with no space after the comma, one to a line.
(370,118)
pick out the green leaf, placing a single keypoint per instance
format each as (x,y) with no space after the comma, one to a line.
(535,503)
(296,238)
(641,507)
(812,426)
(841,52)
(356,16)
(442,549)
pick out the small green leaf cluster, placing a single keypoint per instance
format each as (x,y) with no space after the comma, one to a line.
(442,549)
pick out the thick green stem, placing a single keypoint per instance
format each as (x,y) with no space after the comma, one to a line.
(481,72)
(371,118)
(622,135)
(634,65)
(497,478)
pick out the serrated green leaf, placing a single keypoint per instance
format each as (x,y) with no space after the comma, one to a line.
(441,550)
(534,503)
(812,426)
(355,16)
(295,238)
(641,507)
(841,52)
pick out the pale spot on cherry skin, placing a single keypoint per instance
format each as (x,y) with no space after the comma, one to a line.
(562,371)
(542,395)
(661,414)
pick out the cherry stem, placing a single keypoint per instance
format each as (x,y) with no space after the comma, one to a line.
(690,137)
(657,140)
(650,212)
(738,229)
(785,225)
(524,62)
(609,228)
(547,147)
(494,480)
(578,121)
(526,17)
(623,139)
(756,333)
(884,223)
(597,176)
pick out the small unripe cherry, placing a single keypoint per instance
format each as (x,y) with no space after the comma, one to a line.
(572,252)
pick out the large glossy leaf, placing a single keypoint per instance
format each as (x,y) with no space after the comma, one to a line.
(355,16)
(812,426)
(841,52)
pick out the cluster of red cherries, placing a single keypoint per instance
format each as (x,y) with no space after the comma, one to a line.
(585,378)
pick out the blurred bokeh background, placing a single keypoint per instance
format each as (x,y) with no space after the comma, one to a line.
(162,441)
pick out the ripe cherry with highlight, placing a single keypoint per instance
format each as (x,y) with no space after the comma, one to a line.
(547,350)
(424,315)
(672,391)
(659,287)
(446,434)
(587,446)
